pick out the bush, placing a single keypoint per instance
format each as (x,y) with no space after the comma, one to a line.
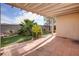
(37,31)
(29,28)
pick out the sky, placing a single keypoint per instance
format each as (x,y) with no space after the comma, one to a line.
(13,15)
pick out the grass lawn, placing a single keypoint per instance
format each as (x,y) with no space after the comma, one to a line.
(13,39)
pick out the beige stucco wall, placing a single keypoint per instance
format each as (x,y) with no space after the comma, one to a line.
(68,26)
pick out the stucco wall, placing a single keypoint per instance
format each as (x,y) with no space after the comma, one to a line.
(68,26)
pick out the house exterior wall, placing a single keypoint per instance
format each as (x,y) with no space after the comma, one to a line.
(68,26)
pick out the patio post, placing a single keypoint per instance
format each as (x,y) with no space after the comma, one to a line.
(51,25)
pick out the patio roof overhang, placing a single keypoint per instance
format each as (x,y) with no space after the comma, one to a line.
(48,9)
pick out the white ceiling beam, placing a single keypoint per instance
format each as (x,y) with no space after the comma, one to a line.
(48,10)
(64,9)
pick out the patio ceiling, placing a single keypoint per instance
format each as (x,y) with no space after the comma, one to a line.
(48,9)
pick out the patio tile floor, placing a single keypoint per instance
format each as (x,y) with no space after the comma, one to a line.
(58,47)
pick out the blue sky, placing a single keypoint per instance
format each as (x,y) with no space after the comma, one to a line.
(13,15)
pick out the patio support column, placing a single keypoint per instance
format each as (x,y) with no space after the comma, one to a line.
(51,25)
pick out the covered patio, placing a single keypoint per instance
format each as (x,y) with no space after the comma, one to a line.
(65,14)
(66,40)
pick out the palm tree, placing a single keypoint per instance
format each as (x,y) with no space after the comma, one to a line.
(26,27)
